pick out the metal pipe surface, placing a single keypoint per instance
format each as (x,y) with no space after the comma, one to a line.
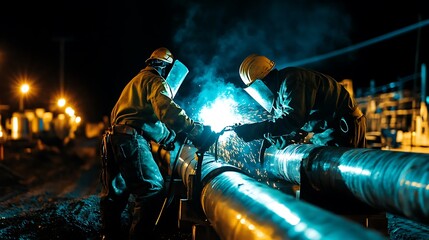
(395,182)
(239,207)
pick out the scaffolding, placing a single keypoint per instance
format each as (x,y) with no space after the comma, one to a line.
(396,117)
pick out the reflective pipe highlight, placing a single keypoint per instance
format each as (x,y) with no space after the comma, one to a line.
(239,207)
(396,182)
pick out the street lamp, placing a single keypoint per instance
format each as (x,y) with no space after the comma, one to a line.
(24,90)
(61,102)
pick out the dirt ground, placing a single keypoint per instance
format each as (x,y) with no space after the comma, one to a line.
(52,193)
(47,192)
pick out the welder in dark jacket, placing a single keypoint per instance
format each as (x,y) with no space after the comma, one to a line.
(306,105)
(144,112)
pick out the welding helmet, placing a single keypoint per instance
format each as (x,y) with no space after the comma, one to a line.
(162,54)
(176,76)
(253,70)
(160,59)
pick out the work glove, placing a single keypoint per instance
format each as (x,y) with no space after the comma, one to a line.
(251,131)
(168,142)
(202,137)
(280,142)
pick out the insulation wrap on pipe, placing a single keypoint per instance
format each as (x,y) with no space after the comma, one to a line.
(239,207)
(395,182)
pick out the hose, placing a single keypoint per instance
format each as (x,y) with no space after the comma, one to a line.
(168,198)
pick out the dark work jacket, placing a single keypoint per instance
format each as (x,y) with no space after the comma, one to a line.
(306,100)
(146,103)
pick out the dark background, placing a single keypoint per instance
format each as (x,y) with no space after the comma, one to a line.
(107,42)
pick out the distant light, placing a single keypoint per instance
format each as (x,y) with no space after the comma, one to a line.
(39,112)
(61,102)
(70,111)
(61,116)
(78,119)
(25,88)
(15,127)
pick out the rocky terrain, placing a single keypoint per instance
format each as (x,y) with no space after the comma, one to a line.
(52,193)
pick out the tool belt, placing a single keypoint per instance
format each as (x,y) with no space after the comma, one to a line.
(126,129)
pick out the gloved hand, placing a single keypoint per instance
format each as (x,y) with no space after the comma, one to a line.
(168,142)
(251,131)
(205,139)
(280,142)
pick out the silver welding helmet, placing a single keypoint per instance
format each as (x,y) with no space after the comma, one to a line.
(176,76)
(252,70)
(261,94)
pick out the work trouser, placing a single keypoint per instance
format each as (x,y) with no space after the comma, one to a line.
(114,193)
(132,170)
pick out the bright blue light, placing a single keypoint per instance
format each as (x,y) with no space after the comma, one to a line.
(220,113)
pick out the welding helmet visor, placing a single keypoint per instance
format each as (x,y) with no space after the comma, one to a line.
(176,76)
(261,94)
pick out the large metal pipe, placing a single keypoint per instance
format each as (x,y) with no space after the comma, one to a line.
(239,207)
(395,182)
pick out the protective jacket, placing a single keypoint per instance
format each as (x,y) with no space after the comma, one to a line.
(146,103)
(312,102)
(144,112)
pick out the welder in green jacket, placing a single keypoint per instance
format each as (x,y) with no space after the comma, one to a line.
(144,112)
(306,105)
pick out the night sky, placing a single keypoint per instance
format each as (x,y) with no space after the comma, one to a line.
(107,42)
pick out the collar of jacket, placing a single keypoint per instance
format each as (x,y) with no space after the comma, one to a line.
(151,69)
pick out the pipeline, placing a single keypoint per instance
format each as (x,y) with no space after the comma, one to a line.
(395,182)
(239,207)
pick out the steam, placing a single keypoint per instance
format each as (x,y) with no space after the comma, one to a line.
(214,37)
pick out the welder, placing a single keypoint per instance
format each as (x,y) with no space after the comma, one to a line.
(144,112)
(307,107)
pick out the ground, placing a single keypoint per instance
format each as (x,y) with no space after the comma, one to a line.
(52,193)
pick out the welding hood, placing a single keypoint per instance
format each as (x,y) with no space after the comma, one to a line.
(176,76)
(261,94)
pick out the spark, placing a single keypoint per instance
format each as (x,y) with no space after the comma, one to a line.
(221,113)
(228,109)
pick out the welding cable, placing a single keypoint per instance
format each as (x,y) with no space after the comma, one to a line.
(169,197)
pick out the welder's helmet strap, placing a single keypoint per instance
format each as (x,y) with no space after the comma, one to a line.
(262,94)
(176,76)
